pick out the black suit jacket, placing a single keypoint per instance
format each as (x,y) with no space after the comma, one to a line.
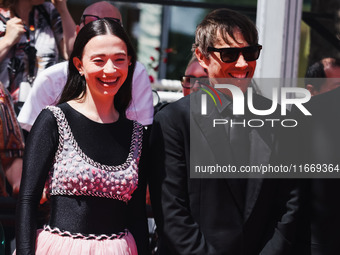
(319,139)
(210,215)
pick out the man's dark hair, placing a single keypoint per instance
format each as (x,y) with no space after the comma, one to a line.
(8,4)
(317,70)
(224,21)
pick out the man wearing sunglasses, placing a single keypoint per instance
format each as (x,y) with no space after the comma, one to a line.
(193,75)
(207,213)
(49,84)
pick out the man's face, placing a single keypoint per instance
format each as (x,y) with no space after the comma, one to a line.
(101,10)
(194,70)
(240,70)
(333,79)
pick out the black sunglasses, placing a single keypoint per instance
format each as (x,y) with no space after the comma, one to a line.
(87,18)
(185,81)
(229,55)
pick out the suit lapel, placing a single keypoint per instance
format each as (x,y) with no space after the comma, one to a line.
(260,153)
(253,190)
(214,137)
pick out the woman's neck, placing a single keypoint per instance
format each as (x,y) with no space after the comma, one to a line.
(101,111)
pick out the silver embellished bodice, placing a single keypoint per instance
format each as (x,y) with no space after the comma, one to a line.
(74,173)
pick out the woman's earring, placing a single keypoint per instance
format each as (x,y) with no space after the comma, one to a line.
(81,73)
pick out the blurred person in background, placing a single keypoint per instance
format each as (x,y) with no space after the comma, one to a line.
(34,35)
(317,139)
(323,76)
(194,70)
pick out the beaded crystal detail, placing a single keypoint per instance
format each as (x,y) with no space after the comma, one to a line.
(74,173)
(85,237)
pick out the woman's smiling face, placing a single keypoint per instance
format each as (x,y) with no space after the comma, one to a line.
(104,64)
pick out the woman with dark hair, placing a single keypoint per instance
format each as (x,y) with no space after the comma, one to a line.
(86,153)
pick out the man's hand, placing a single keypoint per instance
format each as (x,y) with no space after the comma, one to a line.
(69,28)
(14,31)
(15,95)
(13,175)
(44,197)
(60,5)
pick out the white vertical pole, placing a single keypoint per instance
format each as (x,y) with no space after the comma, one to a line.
(278,23)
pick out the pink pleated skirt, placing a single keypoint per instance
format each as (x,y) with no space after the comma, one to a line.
(55,244)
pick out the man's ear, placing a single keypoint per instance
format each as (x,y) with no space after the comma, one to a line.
(203,61)
(311,89)
(77,29)
(78,64)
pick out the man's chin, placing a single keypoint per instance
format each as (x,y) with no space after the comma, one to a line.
(239,82)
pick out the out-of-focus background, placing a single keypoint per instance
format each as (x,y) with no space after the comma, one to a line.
(294,33)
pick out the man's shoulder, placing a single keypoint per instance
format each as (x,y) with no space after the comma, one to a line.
(181,105)
(59,69)
(323,109)
(139,68)
(140,77)
(324,106)
(175,110)
(52,78)
(325,100)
